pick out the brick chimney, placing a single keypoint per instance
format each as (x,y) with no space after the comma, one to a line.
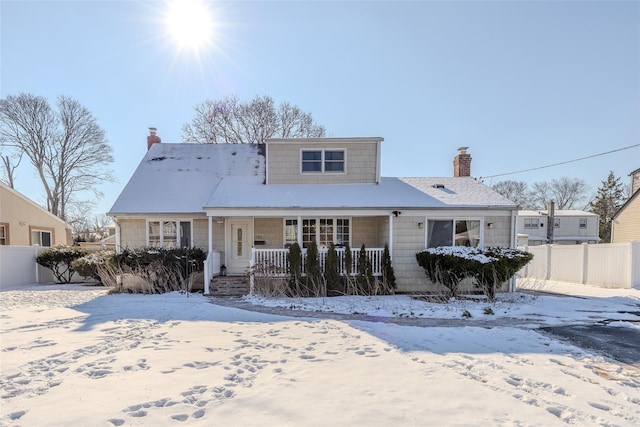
(152,138)
(462,163)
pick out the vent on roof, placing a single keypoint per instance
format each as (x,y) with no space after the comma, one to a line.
(438,185)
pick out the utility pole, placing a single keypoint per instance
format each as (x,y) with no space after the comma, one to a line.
(551,221)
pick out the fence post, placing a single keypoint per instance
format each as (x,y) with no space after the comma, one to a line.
(547,262)
(585,264)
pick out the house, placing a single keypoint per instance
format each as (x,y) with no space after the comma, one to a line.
(25,223)
(625,225)
(246,204)
(570,227)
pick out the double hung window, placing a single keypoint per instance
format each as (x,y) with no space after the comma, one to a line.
(583,223)
(323,161)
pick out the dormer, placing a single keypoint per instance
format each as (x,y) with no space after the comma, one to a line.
(323,160)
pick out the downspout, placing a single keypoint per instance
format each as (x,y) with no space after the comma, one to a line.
(118,236)
(207,269)
(391,236)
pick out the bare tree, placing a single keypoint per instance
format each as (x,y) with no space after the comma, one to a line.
(10,161)
(516,191)
(567,193)
(68,148)
(230,121)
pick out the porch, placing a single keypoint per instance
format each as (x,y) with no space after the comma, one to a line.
(275,263)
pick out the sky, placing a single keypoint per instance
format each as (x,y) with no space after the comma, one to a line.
(523,84)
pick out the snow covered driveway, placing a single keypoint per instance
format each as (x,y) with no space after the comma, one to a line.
(76,356)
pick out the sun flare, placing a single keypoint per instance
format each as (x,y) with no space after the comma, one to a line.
(189,23)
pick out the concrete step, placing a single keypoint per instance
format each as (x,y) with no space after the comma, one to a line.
(229,286)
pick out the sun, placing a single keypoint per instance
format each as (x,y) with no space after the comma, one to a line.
(189,23)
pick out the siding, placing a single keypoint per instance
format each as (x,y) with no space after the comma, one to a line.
(284,162)
(271,231)
(133,233)
(364,230)
(626,226)
(21,215)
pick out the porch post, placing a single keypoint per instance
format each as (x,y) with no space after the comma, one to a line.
(391,236)
(210,235)
(300,231)
(207,264)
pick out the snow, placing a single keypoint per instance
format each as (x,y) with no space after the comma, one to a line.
(74,355)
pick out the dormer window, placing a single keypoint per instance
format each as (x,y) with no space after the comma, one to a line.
(323,161)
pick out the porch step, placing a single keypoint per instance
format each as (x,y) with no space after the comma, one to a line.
(229,286)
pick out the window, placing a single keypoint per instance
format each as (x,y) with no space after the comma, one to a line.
(556,222)
(4,234)
(453,233)
(290,232)
(583,223)
(167,234)
(323,231)
(40,237)
(312,161)
(531,223)
(308,232)
(323,161)
(334,161)
(343,235)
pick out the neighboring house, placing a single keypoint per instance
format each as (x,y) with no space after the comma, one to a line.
(25,223)
(570,227)
(249,203)
(625,225)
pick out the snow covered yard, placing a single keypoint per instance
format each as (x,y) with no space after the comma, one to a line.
(75,356)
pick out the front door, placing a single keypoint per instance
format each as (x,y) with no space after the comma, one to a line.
(238,246)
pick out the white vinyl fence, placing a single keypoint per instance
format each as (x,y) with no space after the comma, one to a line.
(610,265)
(18,267)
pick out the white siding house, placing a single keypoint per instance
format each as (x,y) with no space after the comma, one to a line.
(245,202)
(570,227)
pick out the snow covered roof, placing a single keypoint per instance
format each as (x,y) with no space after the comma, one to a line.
(460,192)
(238,192)
(557,213)
(187,178)
(180,178)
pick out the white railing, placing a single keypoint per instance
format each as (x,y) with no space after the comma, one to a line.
(275,261)
(211,268)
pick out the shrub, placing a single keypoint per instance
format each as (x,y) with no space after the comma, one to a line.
(490,267)
(312,269)
(295,269)
(58,259)
(156,270)
(365,273)
(87,266)
(388,276)
(332,273)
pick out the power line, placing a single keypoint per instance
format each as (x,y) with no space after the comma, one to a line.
(561,163)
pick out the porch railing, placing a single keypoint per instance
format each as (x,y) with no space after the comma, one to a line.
(275,261)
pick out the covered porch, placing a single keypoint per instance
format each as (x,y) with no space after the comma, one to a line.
(260,244)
